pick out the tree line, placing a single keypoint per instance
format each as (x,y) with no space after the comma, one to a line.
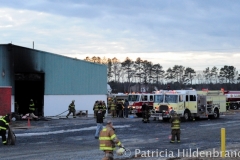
(122,76)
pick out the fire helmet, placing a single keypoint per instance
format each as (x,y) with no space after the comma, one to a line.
(120,151)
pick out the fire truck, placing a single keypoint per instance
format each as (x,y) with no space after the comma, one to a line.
(189,104)
(136,101)
(233,98)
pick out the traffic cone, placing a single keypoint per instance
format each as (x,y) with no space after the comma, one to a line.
(29,124)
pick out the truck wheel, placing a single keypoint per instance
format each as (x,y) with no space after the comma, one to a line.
(216,114)
(235,106)
(186,116)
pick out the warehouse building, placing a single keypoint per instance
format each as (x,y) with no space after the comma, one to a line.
(51,80)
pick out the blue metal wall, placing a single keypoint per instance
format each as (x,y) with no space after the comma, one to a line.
(63,75)
(6,67)
(71,76)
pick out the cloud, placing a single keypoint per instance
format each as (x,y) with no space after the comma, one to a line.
(167,32)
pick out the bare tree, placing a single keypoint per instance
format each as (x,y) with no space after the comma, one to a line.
(207,75)
(146,71)
(178,73)
(169,75)
(109,71)
(190,74)
(214,73)
(138,65)
(228,73)
(200,77)
(88,59)
(116,65)
(127,67)
(158,72)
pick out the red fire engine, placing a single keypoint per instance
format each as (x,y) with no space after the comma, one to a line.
(232,99)
(136,101)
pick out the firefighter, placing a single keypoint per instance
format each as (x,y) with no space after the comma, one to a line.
(95,108)
(107,141)
(31,107)
(227,105)
(104,109)
(99,120)
(126,104)
(145,113)
(4,125)
(119,108)
(175,125)
(71,109)
(113,108)
(16,106)
(108,105)
(100,105)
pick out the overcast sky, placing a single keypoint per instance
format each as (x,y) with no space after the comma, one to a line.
(192,33)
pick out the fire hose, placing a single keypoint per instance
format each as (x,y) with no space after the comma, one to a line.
(61,113)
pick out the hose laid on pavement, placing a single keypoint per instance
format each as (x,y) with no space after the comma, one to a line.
(61,113)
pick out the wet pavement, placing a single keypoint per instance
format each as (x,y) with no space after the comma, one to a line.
(73,138)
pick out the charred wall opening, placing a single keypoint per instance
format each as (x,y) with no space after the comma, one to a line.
(29,86)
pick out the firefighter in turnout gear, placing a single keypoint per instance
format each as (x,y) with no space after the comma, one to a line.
(108,105)
(113,108)
(4,125)
(107,141)
(175,125)
(145,113)
(95,108)
(100,106)
(227,105)
(104,109)
(32,107)
(71,109)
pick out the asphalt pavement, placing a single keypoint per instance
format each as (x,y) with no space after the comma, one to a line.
(59,138)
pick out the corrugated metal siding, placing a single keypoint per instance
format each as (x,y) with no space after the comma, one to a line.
(6,67)
(71,76)
(63,75)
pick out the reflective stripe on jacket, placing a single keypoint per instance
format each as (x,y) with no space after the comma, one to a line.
(71,106)
(175,120)
(100,107)
(108,139)
(112,106)
(32,107)
(3,124)
(104,107)
(95,108)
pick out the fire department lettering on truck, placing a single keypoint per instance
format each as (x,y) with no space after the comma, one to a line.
(232,95)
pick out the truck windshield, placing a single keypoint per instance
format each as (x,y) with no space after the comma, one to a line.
(171,98)
(158,98)
(133,98)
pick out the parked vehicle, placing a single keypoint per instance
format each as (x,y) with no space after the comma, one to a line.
(189,104)
(233,99)
(136,101)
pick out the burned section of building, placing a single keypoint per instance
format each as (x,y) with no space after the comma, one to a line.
(29,86)
(51,81)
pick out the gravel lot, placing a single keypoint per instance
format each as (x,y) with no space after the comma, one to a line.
(73,139)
